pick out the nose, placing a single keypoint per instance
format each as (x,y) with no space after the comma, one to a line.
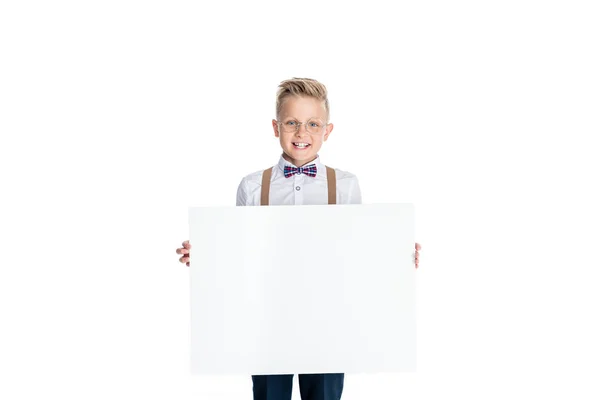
(299,131)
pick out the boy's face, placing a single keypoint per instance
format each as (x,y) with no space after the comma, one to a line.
(301,109)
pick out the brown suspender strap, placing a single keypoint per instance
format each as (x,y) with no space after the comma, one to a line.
(331,189)
(266,185)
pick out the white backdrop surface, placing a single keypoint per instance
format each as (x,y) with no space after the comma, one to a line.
(304,289)
(115,116)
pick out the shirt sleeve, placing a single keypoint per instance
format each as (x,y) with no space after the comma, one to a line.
(242,194)
(355,196)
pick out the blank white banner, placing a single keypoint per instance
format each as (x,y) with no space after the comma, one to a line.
(303,289)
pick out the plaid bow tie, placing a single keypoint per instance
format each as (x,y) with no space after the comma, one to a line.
(310,170)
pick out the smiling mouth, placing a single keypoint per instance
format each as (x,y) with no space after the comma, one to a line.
(301,145)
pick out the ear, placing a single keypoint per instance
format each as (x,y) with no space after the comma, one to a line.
(275,128)
(328,130)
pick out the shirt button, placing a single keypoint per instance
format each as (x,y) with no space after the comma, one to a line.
(297,187)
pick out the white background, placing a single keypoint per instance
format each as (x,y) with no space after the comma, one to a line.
(482,114)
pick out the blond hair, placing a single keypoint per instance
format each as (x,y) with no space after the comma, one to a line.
(301,87)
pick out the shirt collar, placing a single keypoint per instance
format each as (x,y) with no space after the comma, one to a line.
(317,161)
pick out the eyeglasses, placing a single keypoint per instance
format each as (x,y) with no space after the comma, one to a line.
(312,125)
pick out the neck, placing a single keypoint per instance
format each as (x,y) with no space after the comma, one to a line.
(296,163)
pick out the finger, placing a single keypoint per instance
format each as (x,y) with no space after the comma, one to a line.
(188,264)
(179,251)
(417,246)
(184,259)
(187,244)
(183,251)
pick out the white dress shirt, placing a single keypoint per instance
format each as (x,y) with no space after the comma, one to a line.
(298,189)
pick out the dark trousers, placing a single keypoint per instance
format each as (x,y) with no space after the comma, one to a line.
(312,386)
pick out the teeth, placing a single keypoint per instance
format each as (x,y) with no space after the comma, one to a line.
(301,144)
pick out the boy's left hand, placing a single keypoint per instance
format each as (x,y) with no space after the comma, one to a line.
(417,248)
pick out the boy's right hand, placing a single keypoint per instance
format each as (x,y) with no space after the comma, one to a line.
(185,250)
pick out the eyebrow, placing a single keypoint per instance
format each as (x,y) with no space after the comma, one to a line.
(309,118)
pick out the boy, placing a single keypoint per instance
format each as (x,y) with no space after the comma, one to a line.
(302,125)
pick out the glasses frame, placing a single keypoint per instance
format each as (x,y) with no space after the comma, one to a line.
(302,123)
